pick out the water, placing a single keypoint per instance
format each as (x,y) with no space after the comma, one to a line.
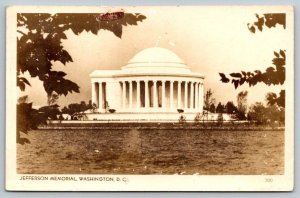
(152,152)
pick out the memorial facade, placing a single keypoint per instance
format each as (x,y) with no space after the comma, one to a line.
(155,80)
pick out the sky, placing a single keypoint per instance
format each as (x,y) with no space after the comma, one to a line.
(208,39)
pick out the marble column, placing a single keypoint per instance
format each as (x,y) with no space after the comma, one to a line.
(130,94)
(155,98)
(179,94)
(94,94)
(185,94)
(100,96)
(163,94)
(171,94)
(124,94)
(146,94)
(201,96)
(192,96)
(196,95)
(138,94)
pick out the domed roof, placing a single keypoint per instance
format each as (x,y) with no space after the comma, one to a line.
(156,59)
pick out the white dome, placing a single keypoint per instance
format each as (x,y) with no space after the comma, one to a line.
(156,59)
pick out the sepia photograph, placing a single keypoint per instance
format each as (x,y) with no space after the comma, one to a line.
(174,98)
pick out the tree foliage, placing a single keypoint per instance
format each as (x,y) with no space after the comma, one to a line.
(274,74)
(263,115)
(212,108)
(273,99)
(73,108)
(257,113)
(52,99)
(208,99)
(25,112)
(242,105)
(220,108)
(269,20)
(230,108)
(242,101)
(39,46)
(50,112)
(29,118)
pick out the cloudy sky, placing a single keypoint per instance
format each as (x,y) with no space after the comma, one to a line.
(208,39)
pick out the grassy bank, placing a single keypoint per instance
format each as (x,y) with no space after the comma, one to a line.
(228,126)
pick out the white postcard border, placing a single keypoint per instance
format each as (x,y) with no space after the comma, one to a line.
(142,182)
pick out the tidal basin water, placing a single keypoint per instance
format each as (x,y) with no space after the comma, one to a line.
(134,151)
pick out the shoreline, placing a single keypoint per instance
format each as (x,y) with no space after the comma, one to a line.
(160,126)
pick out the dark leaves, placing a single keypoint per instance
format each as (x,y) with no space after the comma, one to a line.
(27,119)
(49,112)
(282,53)
(278,61)
(242,81)
(260,22)
(88,22)
(251,28)
(35,53)
(236,75)
(271,76)
(64,57)
(275,18)
(117,30)
(270,69)
(56,82)
(224,79)
(269,20)
(274,75)
(236,83)
(273,99)
(281,99)
(21,83)
(24,111)
(22,99)
(42,45)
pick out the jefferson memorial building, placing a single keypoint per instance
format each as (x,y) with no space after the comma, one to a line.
(155,85)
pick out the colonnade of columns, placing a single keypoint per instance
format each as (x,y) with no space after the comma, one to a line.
(164,94)
(154,94)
